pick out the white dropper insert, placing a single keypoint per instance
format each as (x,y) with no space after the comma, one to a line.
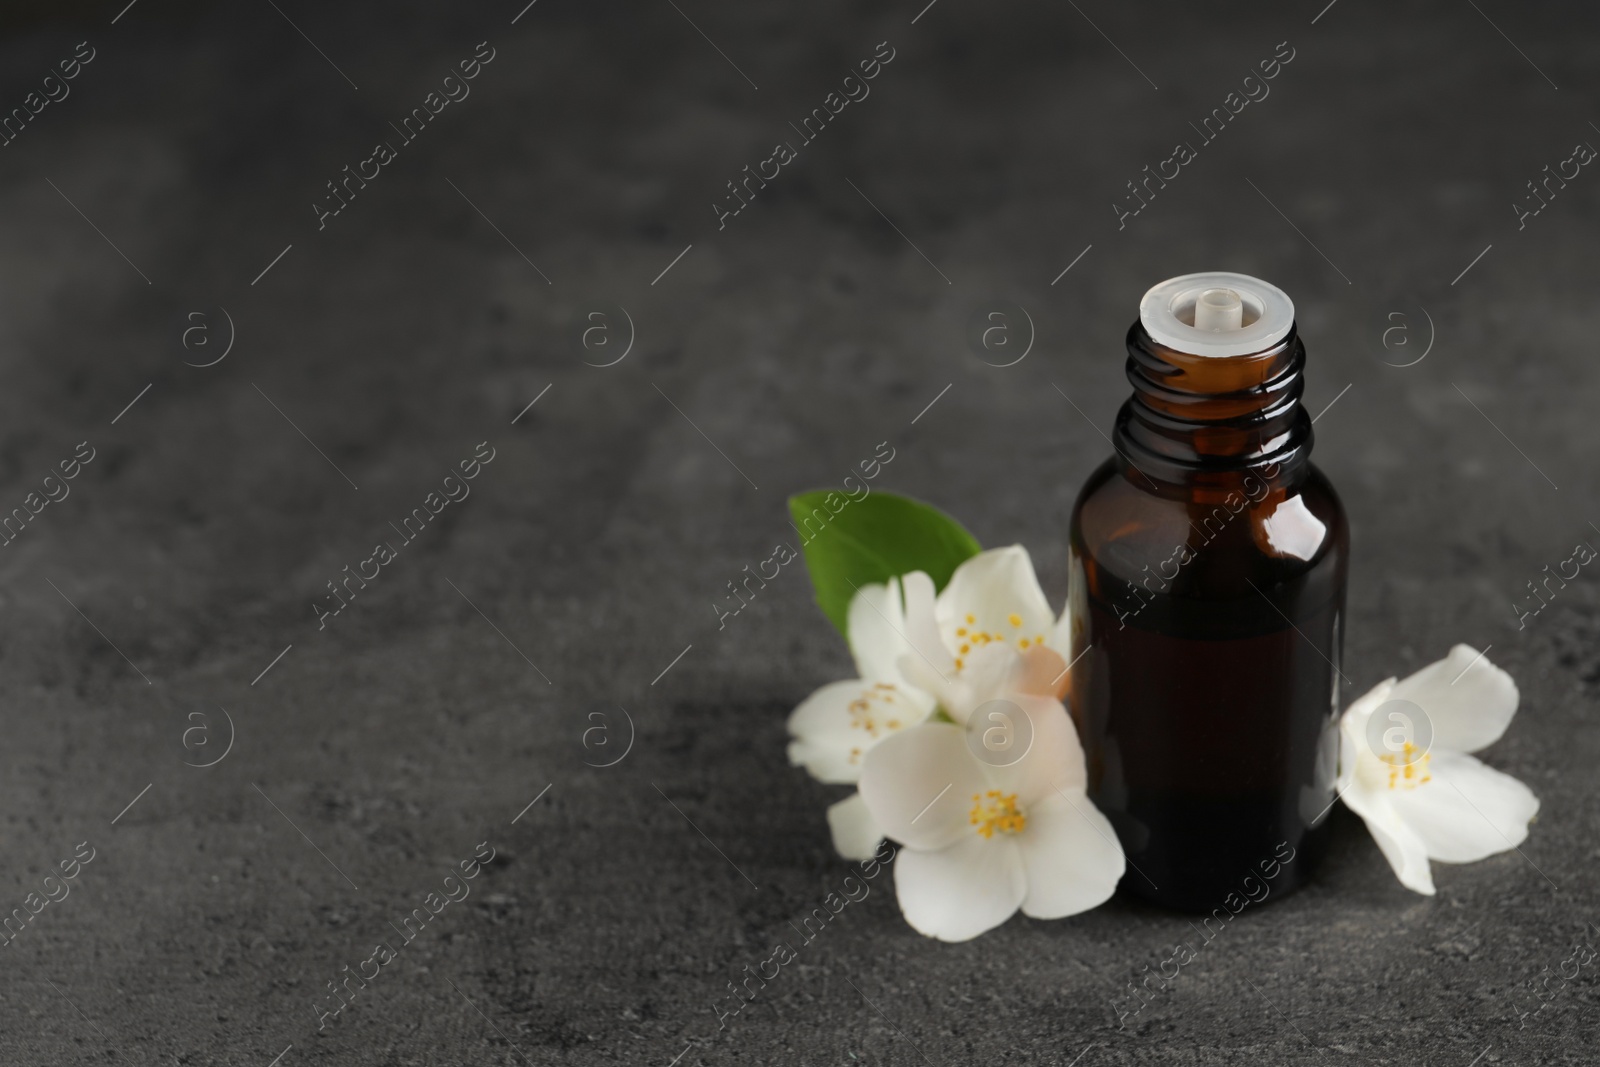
(1217,310)
(1217,313)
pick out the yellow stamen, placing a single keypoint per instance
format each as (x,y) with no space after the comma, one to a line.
(1404,769)
(996,811)
(1014,619)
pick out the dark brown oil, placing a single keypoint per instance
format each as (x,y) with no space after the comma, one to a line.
(1208,571)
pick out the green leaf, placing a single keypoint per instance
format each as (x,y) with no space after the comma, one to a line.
(873,539)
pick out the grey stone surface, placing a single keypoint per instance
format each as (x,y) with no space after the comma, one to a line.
(455,689)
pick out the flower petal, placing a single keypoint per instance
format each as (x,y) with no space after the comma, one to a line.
(1468,811)
(988,673)
(856,834)
(1468,700)
(957,893)
(876,625)
(918,784)
(1407,855)
(994,594)
(823,741)
(1352,730)
(1071,856)
(922,628)
(1043,672)
(835,726)
(1053,762)
(1060,637)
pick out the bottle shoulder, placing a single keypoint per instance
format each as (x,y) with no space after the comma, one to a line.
(1249,528)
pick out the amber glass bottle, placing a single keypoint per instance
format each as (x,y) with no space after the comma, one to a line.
(1207,567)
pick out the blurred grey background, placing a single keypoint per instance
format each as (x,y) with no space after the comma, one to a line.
(574,589)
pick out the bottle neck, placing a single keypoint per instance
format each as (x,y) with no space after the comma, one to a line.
(1197,421)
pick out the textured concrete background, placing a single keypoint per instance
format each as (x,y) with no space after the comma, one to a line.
(459,686)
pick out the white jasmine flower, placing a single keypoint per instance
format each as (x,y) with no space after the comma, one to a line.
(1404,768)
(834,727)
(966,642)
(981,840)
